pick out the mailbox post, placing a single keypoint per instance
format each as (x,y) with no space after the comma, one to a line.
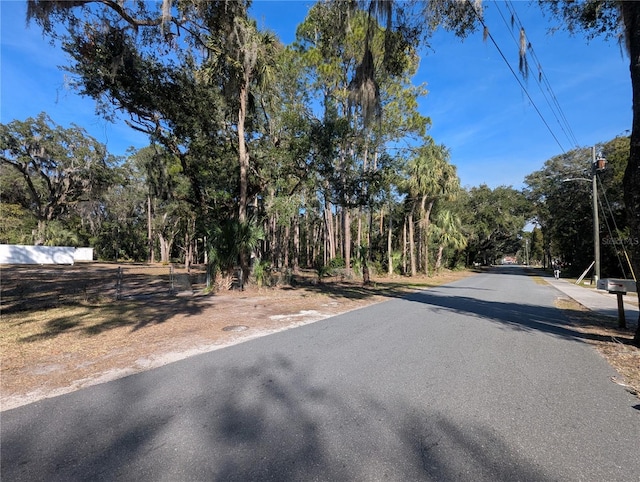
(620,287)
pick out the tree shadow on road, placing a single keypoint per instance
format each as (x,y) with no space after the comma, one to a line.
(517,316)
(530,316)
(262,421)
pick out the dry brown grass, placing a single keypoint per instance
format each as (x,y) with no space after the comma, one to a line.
(49,351)
(60,348)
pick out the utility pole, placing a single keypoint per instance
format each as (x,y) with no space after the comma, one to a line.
(598,164)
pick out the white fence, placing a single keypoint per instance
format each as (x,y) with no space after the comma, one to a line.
(22,254)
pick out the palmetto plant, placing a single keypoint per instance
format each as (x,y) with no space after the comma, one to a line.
(56,234)
(261,273)
(229,240)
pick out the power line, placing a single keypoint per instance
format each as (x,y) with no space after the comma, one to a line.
(543,79)
(617,230)
(522,86)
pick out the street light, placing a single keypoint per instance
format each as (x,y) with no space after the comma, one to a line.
(598,164)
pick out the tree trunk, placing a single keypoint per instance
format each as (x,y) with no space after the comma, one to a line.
(439,258)
(243,155)
(631,181)
(366,278)
(426,221)
(346,221)
(189,241)
(296,243)
(273,238)
(165,248)
(152,254)
(39,234)
(188,258)
(404,246)
(359,232)
(365,162)
(310,240)
(205,248)
(329,231)
(318,245)
(418,247)
(338,241)
(285,246)
(412,247)
(243,158)
(389,244)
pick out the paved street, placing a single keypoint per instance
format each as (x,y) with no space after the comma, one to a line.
(478,380)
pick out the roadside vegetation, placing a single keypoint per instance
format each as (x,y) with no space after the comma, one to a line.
(266,160)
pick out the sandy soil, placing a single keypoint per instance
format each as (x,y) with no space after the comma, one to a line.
(48,352)
(52,350)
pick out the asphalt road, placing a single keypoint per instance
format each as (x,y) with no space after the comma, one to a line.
(477,380)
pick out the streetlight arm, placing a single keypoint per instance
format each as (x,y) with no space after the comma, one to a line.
(576,179)
(596,223)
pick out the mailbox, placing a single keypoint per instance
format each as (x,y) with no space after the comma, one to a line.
(620,287)
(613,285)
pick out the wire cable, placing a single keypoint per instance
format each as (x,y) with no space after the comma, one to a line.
(541,79)
(615,226)
(524,89)
(611,236)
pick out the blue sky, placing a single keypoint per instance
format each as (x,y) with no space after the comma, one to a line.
(478,109)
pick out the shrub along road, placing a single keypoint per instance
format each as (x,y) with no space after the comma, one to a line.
(480,379)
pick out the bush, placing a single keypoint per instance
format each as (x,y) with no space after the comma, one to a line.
(337,263)
(323,271)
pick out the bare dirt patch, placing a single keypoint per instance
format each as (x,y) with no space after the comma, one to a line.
(58,345)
